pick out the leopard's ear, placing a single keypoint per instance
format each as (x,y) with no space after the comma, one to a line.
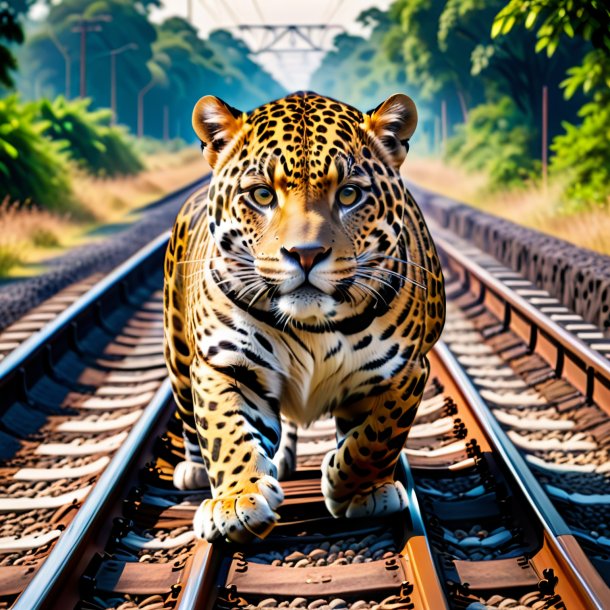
(215,123)
(394,122)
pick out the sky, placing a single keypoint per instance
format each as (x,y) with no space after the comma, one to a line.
(292,69)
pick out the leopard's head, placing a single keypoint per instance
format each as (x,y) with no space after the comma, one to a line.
(306,202)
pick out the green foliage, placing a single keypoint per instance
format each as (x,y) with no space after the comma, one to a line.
(187,67)
(45,238)
(370,69)
(100,149)
(8,259)
(11,31)
(592,76)
(497,141)
(118,24)
(32,167)
(169,68)
(588,20)
(583,154)
(153,146)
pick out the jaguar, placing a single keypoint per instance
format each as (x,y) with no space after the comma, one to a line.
(302,284)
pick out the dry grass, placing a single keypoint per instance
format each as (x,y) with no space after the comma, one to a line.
(107,200)
(27,230)
(531,207)
(30,235)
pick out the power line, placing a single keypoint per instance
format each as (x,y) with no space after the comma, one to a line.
(334,11)
(231,12)
(209,11)
(259,12)
(290,33)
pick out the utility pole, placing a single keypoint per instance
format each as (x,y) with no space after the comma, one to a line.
(165,122)
(545,137)
(113,54)
(86,25)
(443,125)
(141,94)
(189,11)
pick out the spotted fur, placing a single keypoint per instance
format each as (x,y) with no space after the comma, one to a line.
(299,308)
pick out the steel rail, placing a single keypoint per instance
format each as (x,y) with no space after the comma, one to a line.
(201,577)
(591,359)
(33,344)
(598,594)
(47,581)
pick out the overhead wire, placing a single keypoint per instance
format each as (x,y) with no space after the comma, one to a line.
(333,12)
(259,11)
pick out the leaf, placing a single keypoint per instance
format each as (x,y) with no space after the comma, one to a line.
(568,29)
(496,27)
(551,47)
(541,44)
(10,150)
(530,19)
(508,24)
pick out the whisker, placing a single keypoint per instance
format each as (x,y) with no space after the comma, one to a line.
(370,290)
(242,293)
(264,289)
(372,270)
(377,255)
(366,276)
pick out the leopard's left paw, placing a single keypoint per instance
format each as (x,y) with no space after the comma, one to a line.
(240,516)
(343,499)
(386,499)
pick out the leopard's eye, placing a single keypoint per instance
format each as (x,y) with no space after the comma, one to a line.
(349,195)
(263,196)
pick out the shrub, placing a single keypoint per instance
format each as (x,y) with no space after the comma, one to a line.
(151,146)
(495,140)
(9,258)
(45,238)
(583,155)
(100,149)
(32,167)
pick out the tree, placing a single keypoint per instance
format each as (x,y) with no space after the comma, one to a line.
(246,84)
(371,68)
(57,41)
(161,72)
(11,31)
(193,67)
(583,152)
(464,56)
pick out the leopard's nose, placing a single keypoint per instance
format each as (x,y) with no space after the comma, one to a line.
(307,256)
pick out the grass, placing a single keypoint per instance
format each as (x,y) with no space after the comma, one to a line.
(29,235)
(531,207)
(108,200)
(27,232)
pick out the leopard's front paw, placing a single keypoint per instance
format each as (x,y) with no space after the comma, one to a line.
(242,515)
(343,498)
(385,499)
(190,475)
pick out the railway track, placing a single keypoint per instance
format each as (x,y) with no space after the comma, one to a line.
(506,469)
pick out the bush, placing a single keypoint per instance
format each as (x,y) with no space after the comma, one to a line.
(32,167)
(151,146)
(9,259)
(100,149)
(583,155)
(495,140)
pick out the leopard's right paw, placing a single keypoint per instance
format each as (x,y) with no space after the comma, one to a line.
(241,516)
(190,475)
